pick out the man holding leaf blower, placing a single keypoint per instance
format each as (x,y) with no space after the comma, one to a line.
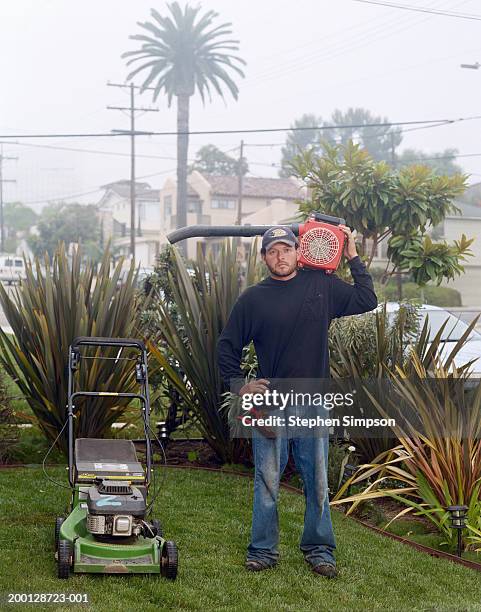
(287,316)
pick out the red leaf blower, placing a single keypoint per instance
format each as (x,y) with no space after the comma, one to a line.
(320,240)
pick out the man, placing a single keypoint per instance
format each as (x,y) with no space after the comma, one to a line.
(287,315)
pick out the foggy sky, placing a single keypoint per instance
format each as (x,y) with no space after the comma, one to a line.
(308,56)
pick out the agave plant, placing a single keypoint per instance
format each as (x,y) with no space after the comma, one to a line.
(203,298)
(437,462)
(46,312)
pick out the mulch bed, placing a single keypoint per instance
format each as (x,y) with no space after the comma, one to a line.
(390,508)
(191,452)
(196,452)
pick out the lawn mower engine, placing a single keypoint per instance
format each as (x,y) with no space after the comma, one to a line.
(115,509)
(321,242)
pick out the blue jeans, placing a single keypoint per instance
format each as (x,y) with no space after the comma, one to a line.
(270,459)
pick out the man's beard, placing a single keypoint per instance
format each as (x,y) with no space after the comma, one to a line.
(282,271)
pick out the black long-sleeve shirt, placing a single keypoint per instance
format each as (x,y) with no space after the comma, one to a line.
(289,321)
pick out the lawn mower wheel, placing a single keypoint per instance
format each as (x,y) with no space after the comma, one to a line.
(58,523)
(64,561)
(169,560)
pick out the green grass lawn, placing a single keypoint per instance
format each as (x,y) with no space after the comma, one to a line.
(208,515)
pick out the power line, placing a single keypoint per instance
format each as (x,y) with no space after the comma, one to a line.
(414,129)
(344,46)
(241,131)
(453,157)
(419,9)
(84,193)
(99,152)
(93,151)
(191,160)
(77,195)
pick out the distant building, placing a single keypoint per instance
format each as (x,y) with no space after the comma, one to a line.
(114,211)
(213,200)
(454,226)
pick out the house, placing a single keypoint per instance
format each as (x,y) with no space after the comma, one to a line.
(213,200)
(114,211)
(454,226)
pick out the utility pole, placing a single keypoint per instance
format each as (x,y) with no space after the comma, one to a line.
(240,176)
(237,243)
(131,110)
(2,180)
(398,273)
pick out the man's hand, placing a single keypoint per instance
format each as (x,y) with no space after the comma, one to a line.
(255,386)
(350,250)
(258,386)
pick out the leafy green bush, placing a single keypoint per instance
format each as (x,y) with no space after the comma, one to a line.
(386,205)
(47,311)
(437,296)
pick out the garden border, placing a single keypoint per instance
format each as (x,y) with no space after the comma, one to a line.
(419,547)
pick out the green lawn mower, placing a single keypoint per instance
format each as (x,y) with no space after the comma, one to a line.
(107,530)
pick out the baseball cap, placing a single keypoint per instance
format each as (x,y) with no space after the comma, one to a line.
(279,233)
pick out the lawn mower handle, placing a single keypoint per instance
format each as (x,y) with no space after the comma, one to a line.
(144,397)
(97,341)
(208,231)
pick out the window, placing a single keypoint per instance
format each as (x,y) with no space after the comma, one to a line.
(224,204)
(194,206)
(142,207)
(19,263)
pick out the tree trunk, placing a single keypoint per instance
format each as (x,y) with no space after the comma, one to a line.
(182,154)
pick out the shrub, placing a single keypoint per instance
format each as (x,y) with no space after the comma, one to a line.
(437,296)
(186,341)
(365,346)
(46,312)
(437,462)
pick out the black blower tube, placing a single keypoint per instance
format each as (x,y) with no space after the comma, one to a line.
(207,231)
(201,231)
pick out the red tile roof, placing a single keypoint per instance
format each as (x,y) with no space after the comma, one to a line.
(267,188)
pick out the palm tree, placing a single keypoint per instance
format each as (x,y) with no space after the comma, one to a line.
(182,53)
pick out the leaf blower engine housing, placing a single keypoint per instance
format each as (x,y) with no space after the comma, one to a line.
(321,242)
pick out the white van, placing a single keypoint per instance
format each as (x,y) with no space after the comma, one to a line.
(12,269)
